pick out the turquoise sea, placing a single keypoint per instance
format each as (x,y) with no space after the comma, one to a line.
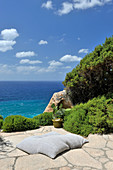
(26,98)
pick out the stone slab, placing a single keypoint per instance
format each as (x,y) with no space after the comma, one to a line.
(110,144)
(16,139)
(16,153)
(109,166)
(94,141)
(79,157)
(110,154)
(39,162)
(7,163)
(94,152)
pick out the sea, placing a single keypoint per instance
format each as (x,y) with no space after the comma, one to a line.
(26,98)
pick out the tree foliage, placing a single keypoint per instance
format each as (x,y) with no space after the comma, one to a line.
(93,76)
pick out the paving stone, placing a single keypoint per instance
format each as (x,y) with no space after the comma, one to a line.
(7,163)
(59,130)
(109,165)
(94,141)
(103,160)
(16,139)
(39,161)
(16,152)
(6,148)
(78,168)
(11,133)
(111,137)
(65,168)
(80,158)
(106,137)
(94,152)
(110,144)
(110,154)
(3,156)
(105,149)
(86,168)
(70,165)
(35,130)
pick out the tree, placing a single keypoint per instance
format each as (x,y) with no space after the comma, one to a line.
(93,76)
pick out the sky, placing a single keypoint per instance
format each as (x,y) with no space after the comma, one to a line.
(42,40)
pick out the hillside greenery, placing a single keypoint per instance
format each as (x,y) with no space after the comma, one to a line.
(93,76)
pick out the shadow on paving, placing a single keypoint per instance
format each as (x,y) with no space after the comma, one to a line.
(4,145)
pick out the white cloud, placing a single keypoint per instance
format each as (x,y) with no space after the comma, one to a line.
(47,5)
(5,69)
(83,51)
(54,64)
(66,8)
(42,42)
(25,54)
(85,4)
(6,45)
(26,69)
(70,58)
(9,34)
(27,61)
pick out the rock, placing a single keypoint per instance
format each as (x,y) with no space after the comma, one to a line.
(57,99)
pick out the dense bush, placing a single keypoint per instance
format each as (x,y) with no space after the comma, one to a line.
(44,118)
(67,113)
(19,123)
(1,123)
(93,76)
(1,117)
(95,116)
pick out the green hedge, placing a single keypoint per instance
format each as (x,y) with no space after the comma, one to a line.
(44,118)
(93,76)
(19,123)
(95,116)
(1,123)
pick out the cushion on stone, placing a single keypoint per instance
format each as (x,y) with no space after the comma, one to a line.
(51,144)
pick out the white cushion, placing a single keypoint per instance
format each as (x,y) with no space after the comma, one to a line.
(51,144)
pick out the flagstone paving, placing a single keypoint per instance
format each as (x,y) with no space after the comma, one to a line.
(95,155)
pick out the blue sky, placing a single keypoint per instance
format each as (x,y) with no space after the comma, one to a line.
(43,40)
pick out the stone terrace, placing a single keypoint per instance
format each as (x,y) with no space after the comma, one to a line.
(95,155)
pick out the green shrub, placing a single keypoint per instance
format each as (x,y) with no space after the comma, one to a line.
(19,123)
(93,76)
(1,117)
(95,116)
(67,113)
(44,119)
(1,123)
